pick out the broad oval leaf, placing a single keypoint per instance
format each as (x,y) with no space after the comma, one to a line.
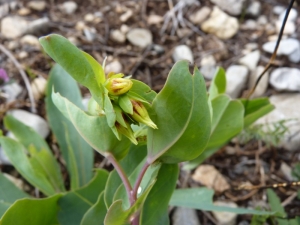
(32,211)
(94,129)
(182,117)
(81,66)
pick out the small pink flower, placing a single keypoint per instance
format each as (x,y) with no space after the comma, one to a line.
(3,75)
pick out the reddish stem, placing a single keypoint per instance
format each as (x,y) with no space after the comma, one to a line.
(139,180)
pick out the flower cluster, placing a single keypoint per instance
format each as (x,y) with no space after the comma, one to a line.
(129,108)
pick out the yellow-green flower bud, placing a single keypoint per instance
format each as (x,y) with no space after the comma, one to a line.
(140,114)
(118,86)
(127,132)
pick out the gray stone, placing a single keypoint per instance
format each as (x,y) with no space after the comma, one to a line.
(37,5)
(278,9)
(90,33)
(12,91)
(250,60)
(139,37)
(220,24)
(249,25)
(289,27)
(233,7)
(183,52)
(199,16)
(295,55)
(118,36)
(32,120)
(285,79)
(126,16)
(286,46)
(208,66)
(30,40)
(68,7)
(286,170)
(292,15)
(40,25)
(263,83)
(89,17)
(286,108)
(154,19)
(254,8)
(38,87)
(23,12)
(236,77)
(186,216)
(13,26)
(114,66)
(225,218)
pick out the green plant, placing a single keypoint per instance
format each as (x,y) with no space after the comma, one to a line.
(143,134)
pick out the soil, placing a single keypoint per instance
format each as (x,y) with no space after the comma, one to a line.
(253,162)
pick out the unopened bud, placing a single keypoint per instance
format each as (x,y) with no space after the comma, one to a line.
(118,86)
(140,114)
(127,132)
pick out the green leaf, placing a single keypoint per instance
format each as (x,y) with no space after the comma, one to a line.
(81,66)
(201,199)
(259,219)
(94,129)
(126,104)
(32,211)
(275,205)
(182,117)
(76,152)
(17,155)
(96,214)
(227,120)
(130,162)
(40,151)
(116,215)
(141,90)
(9,193)
(76,203)
(218,84)
(155,209)
(255,109)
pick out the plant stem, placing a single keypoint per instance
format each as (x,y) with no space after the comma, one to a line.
(123,177)
(139,180)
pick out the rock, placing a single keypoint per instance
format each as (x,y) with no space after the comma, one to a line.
(286,170)
(90,33)
(158,49)
(139,37)
(126,16)
(270,29)
(286,108)
(254,8)
(38,26)
(185,216)
(183,52)
(89,17)
(210,177)
(236,77)
(124,28)
(208,66)
(262,20)
(183,32)
(32,120)
(263,83)
(199,16)
(37,5)
(24,11)
(154,19)
(80,25)
(249,25)
(118,36)
(233,7)
(251,46)
(115,66)
(38,87)
(220,24)
(289,28)
(292,15)
(74,40)
(13,26)
(285,79)
(68,7)
(30,40)
(225,218)
(22,55)
(278,9)
(289,47)
(250,60)
(12,90)
(4,159)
